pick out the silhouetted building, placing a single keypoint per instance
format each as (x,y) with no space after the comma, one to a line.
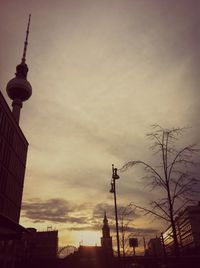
(88,255)
(106,239)
(37,245)
(155,247)
(188,231)
(13,152)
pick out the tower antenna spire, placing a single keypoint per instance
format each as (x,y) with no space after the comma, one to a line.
(26,40)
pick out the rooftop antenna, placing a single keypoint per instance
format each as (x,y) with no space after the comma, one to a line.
(49,228)
(26,40)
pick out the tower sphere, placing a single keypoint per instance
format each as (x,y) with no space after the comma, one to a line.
(19,88)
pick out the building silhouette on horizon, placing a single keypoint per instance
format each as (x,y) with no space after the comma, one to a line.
(106,239)
(96,254)
(37,245)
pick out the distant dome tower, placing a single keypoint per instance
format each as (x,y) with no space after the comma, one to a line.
(18,88)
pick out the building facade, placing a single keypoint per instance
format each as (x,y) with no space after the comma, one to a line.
(13,153)
(188,231)
(155,247)
(37,245)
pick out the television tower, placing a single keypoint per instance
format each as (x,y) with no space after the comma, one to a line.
(18,88)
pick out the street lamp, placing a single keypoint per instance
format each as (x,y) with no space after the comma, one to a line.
(115,176)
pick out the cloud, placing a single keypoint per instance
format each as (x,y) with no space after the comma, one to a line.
(77,216)
(98,212)
(141,231)
(100,208)
(53,210)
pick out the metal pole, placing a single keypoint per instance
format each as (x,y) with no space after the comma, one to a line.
(144,242)
(116,218)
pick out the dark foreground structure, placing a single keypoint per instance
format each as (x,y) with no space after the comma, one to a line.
(128,262)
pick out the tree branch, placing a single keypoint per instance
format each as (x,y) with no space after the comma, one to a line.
(148,211)
(132,163)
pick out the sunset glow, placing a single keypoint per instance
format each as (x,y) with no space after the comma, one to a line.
(88,238)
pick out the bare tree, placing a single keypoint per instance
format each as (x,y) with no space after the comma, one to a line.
(174,176)
(126,214)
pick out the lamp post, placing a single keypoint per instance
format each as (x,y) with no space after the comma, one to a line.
(115,176)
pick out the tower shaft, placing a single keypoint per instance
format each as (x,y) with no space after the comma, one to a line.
(17,105)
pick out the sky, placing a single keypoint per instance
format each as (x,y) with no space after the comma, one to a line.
(102,72)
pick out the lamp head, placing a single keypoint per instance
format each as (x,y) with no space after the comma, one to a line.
(112,188)
(115,176)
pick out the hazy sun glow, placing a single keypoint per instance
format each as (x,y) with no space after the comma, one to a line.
(88,238)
